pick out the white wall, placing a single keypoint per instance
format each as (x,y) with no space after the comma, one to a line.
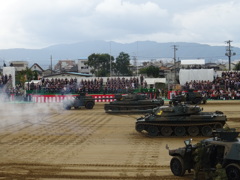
(187,75)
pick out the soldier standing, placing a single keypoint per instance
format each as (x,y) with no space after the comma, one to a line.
(198,156)
(206,164)
(220,173)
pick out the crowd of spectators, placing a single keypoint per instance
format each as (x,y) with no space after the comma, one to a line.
(58,85)
(90,86)
(225,87)
(93,86)
(122,85)
(4,79)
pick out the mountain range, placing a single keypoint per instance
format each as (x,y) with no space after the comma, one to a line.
(142,50)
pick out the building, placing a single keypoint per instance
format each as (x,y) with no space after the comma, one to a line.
(83,67)
(48,72)
(19,65)
(192,63)
(36,67)
(66,66)
(233,64)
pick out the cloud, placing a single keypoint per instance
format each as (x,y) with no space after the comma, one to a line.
(57,21)
(121,19)
(41,23)
(215,23)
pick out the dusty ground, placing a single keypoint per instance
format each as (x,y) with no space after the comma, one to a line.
(43,141)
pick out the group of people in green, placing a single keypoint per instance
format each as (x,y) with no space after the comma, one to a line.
(202,163)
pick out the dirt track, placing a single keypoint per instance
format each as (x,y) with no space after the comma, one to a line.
(43,141)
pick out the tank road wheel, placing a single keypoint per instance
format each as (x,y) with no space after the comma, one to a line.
(177,166)
(206,131)
(193,130)
(140,127)
(179,131)
(166,131)
(233,171)
(89,105)
(153,131)
(218,126)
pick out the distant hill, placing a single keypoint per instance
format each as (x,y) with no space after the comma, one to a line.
(143,50)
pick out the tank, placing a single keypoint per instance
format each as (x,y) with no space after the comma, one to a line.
(180,119)
(132,103)
(82,100)
(191,97)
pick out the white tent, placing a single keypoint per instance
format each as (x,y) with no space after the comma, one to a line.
(187,75)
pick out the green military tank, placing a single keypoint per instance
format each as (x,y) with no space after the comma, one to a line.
(82,100)
(132,103)
(191,97)
(180,119)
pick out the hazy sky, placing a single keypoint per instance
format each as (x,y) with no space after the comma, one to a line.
(41,23)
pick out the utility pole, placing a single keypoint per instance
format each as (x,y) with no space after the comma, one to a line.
(229,53)
(136,59)
(174,59)
(110,60)
(51,63)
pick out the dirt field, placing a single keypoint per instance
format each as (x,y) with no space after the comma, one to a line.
(43,141)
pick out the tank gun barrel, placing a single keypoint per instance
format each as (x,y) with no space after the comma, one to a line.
(145,111)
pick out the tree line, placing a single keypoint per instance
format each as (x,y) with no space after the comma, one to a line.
(102,64)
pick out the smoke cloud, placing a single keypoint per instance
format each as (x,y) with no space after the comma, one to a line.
(19,112)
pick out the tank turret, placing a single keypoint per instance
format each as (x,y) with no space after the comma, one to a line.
(178,109)
(180,119)
(191,97)
(132,103)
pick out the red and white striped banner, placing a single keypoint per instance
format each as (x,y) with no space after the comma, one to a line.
(60,98)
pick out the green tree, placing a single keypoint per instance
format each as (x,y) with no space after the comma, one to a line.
(237,67)
(100,64)
(122,66)
(143,70)
(151,71)
(25,75)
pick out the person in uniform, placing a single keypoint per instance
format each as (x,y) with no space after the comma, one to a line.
(220,173)
(206,164)
(198,156)
(202,162)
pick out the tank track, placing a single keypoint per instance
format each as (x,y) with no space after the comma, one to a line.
(166,129)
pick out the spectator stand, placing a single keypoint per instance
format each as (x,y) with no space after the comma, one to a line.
(223,87)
